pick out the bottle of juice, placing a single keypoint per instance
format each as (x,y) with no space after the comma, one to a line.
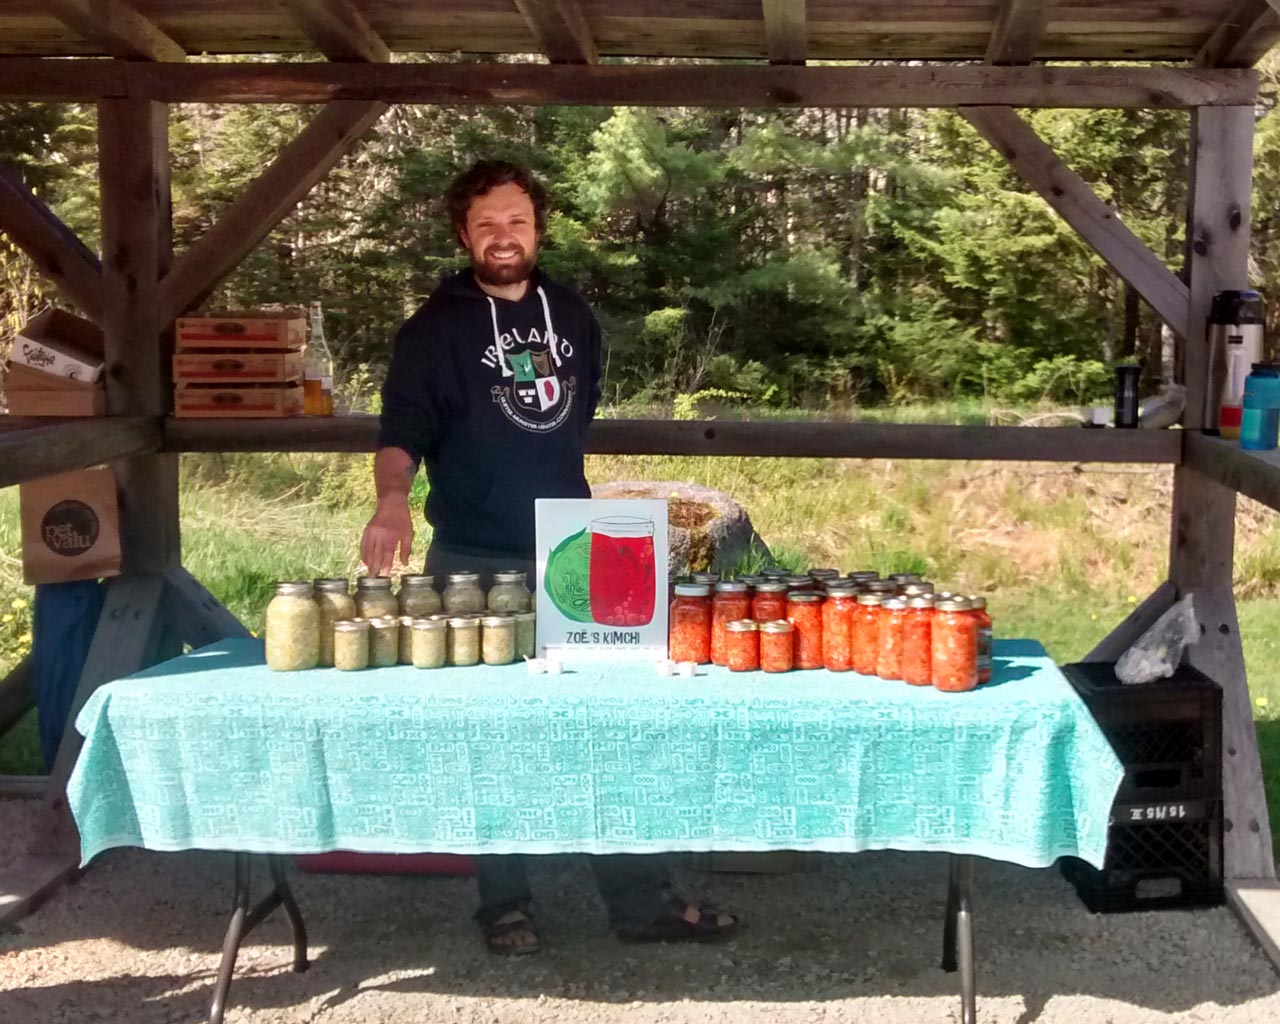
(317,378)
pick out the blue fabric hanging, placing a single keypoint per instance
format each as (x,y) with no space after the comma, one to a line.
(65,617)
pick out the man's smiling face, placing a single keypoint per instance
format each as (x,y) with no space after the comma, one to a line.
(502,235)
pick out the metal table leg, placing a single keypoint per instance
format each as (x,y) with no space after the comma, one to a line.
(244,920)
(957,936)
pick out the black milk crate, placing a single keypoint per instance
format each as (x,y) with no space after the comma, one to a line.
(1164,844)
(1167,734)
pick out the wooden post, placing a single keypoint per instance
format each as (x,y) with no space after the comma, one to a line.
(1203,537)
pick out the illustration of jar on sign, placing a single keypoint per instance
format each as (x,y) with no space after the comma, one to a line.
(622,580)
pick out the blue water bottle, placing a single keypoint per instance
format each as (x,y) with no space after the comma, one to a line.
(1260,417)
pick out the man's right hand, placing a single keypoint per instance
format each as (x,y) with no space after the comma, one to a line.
(390,527)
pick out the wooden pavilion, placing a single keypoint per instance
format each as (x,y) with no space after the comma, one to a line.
(984,57)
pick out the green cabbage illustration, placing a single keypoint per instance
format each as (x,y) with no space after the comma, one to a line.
(568,578)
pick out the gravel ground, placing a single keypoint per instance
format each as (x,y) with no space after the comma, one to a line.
(855,939)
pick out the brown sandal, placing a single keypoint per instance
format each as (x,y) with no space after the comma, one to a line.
(498,929)
(673,926)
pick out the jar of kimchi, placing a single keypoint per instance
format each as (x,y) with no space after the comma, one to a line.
(979,610)
(917,641)
(731,601)
(689,632)
(777,646)
(893,614)
(769,602)
(866,633)
(742,645)
(804,611)
(955,645)
(837,628)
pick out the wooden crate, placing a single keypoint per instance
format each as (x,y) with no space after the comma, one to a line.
(31,392)
(195,401)
(237,367)
(281,332)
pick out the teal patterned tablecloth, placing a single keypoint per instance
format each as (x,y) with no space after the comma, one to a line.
(214,751)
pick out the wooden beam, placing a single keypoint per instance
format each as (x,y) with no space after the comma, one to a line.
(1248,32)
(719,86)
(339,30)
(1254,474)
(561,30)
(119,28)
(715,437)
(44,451)
(198,617)
(17,694)
(1137,622)
(54,248)
(1257,904)
(1018,30)
(265,203)
(785,31)
(1073,199)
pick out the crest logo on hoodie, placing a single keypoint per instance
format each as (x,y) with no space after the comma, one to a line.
(533,396)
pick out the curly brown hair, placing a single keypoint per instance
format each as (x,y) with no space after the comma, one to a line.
(483,177)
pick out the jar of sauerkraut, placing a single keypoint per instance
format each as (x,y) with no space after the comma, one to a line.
(333,599)
(418,597)
(509,592)
(428,646)
(463,593)
(293,628)
(351,645)
(384,641)
(374,598)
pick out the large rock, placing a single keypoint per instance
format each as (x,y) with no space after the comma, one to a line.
(708,529)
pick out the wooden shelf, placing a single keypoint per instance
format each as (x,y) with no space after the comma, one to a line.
(1256,474)
(31,451)
(721,437)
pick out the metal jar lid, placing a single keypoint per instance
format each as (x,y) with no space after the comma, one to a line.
(705,577)
(871,599)
(825,574)
(905,577)
(749,580)
(864,575)
(731,587)
(498,622)
(373,583)
(921,601)
(295,589)
(796,579)
(510,576)
(692,590)
(332,586)
(422,625)
(771,587)
(524,616)
(882,586)
(463,622)
(464,577)
(415,580)
(351,626)
(977,602)
(770,572)
(742,626)
(777,626)
(894,604)
(917,588)
(953,603)
(801,597)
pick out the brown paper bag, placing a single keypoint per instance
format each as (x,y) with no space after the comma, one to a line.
(70,527)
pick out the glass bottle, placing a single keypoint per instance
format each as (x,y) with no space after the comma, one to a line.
(317,372)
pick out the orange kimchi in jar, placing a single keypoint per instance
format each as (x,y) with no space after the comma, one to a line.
(732,601)
(837,628)
(689,635)
(777,646)
(893,615)
(770,601)
(979,612)
(917,641)
(866,634)
(955,646)
(804,611)
(742,645)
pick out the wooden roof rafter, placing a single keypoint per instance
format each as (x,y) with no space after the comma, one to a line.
(121,29)
(561,30)
(786,31)
(339,30)
(1019,28)
(1248,32)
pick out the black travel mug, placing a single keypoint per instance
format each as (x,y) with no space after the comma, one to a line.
(1127,395)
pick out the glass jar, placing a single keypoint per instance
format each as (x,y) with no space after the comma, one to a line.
(426,642)
(405,656)
(509,592)
(749,580)
(707,579)
(866,633)
(804,611)
(731,601)
(498,639)
(777,646)
(293,628)
(689,633)
(864,576)
(351,645)
(769,603)
(374,599)
(742,645)
(893,615)
(418,597)
(822,575)
(526,634)
(955,646)
(799,582)
(903,578)
(775,572)
(463,641)
(333,598)
(837,629)
(885,588)
(384,641)
(978,608)
(463,593)
(917,641)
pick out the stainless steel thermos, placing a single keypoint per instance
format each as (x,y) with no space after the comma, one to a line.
(1234,336)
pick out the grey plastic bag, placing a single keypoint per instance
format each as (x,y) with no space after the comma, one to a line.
(1158,651)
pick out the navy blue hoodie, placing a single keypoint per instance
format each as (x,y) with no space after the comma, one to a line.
(495,396)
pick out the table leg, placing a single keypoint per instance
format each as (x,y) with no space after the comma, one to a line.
(293,913)
(957,937)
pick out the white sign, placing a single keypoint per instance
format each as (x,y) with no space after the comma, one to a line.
(602,578)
